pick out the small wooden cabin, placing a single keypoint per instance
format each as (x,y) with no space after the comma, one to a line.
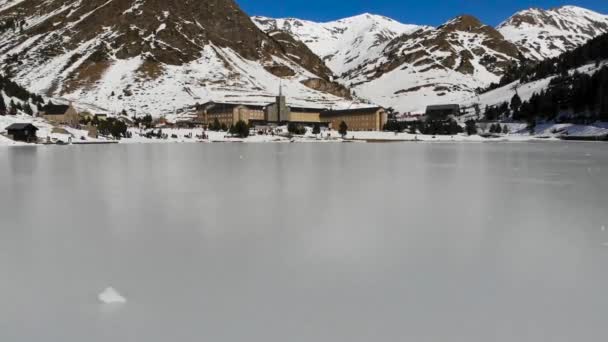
(22,132)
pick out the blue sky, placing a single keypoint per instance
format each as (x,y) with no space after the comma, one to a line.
(427,12)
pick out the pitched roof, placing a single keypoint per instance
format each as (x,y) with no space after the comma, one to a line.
(21,127)
(444,107)
(214,107)
(368,110)
(55,109)
(306,110)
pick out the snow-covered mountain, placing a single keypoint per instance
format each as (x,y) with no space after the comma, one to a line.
(542,34)
(344,44)
(155,56)
(409,67)
(405,66)
(435,65)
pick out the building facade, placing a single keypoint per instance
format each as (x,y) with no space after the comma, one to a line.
(358,119)
(280,113)
(305,115)
(229,113)
(61,114)
(442,112)
(25,132)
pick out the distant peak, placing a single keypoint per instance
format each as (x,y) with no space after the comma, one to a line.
(366,16)
(463,23)
(571,7)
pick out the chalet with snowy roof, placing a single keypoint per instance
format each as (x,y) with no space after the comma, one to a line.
(357,119)
(61,114)
(25,132)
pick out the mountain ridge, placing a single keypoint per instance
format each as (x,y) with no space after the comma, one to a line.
(428,65)
(154,56)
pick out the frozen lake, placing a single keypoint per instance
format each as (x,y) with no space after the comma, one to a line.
(305,242)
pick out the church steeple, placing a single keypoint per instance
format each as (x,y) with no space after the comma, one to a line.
(281,102)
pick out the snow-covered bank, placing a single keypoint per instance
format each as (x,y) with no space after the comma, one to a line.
(519,133)
(183,136)
(45,129)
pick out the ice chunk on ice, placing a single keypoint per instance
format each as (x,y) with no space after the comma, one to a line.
(111,296)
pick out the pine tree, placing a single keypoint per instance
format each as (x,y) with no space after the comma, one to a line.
(413,127)
(471,127)
(2,105)
(343,129)
(27,109)
(477,110)
(316,129)
(12,108)
(215,125)
(240,129)
(603,107)
(515,102)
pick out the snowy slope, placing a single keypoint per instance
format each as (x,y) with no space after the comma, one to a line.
(409,67)
(525,90)
(406,67)
(220,74)
(542,34)
(343,44)
(435,65)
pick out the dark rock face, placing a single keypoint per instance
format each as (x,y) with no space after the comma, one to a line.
(187,25)
(325,86)
(299,51)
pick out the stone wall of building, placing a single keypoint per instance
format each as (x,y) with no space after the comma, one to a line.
(363,120)
(305,116)
(70,117)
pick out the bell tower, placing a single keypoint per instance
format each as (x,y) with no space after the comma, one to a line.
(281,103)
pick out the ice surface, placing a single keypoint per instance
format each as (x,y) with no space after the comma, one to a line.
(111,296)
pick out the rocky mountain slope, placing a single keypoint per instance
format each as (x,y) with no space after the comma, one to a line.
(343,44)
(542,34)
(435,65)
(154,55)
(405,66)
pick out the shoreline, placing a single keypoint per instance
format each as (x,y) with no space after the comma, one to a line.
(306,140)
